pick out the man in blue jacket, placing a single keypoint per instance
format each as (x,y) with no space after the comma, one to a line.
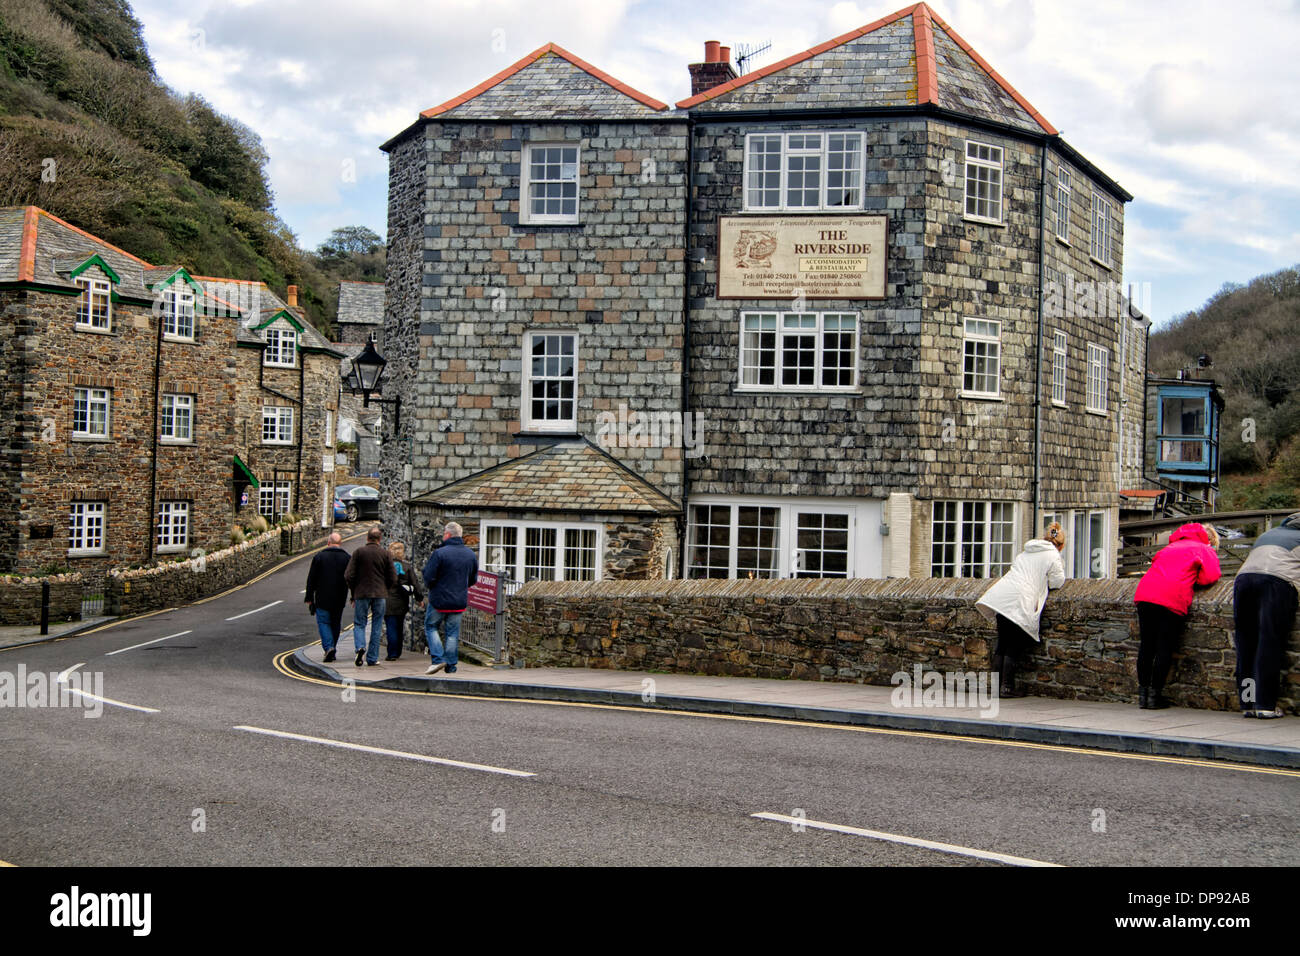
(449,573)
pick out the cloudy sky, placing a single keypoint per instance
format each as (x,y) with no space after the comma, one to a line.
(1194,107)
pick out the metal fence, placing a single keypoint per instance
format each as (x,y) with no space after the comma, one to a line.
(92,598)
(1140,540)
(482,631)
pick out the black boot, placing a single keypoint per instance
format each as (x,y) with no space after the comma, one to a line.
(1143,701)
(1007,684)
(1156,700)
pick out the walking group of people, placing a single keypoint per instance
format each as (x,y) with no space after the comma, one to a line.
(383,588)
(1265,597)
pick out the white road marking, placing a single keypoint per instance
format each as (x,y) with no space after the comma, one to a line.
(147,643)
(254,610)
(906,840)
(388,753)
(63,675)
(115,703)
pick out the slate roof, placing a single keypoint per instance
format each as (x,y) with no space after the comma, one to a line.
(361,303)
(908,58)
(571,476)
(550,82)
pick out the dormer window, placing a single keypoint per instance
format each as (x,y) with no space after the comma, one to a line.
(178,312)
(95,311)
(281,348)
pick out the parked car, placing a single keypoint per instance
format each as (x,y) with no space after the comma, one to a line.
(357,502)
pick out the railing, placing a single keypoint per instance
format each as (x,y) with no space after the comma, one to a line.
(1139,540)
(483,631)
(92,597)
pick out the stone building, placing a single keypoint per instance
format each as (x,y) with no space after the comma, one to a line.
(117,412)
(871,283)
(361,313)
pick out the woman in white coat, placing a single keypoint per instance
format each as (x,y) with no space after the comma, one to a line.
(1015,602)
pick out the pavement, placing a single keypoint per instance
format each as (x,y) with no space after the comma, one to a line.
(1175,732)
(17,636)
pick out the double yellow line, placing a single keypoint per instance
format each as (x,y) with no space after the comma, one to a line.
(280,665)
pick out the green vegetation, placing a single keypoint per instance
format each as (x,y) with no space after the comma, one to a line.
(89,133)
(1252,334)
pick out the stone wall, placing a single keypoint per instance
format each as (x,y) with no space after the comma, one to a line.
(20,599)
(866,631)
(170,585)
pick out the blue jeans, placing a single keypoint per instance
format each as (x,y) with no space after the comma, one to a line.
(374,609)
(394,622)
(450,621)
(329,623)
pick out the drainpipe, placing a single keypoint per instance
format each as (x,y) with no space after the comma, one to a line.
(153,471)
(686,345)
(1038,342)
(302,425)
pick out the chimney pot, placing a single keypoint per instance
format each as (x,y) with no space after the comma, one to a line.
(724,54)
(293,296)
(711,51)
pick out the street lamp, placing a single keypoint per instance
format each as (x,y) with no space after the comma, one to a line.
(364,377)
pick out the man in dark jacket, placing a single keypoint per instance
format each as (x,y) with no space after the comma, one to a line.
(327,592)
(370,574)
(448,575)
(1264,598)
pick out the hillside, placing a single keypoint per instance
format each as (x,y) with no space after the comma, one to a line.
(88,132)
(1252,334)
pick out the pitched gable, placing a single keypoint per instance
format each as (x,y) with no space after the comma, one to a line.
(550,82)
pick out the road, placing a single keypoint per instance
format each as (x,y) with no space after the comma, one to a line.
(217,768)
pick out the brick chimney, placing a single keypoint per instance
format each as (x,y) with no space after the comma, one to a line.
(293,296)
(714,71)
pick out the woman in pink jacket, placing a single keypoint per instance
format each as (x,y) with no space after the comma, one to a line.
(1163,598)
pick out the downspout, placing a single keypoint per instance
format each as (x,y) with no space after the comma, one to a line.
(302,423)
(153,471)
(683,521)
(1038,342)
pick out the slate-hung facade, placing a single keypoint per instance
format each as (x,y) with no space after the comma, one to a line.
(117,410)
(910,425)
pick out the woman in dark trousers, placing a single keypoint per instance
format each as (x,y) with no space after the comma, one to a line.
(1163,598)
(399,599)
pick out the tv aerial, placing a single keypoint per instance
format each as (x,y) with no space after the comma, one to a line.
(746,52)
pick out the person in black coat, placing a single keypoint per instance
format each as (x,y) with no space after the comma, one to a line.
(399,599)
(327,591)
(449,573)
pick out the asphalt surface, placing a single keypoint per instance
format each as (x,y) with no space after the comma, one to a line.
(185,786)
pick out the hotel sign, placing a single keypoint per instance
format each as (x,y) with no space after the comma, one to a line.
(816,257)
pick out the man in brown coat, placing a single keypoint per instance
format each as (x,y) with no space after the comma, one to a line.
(370,574)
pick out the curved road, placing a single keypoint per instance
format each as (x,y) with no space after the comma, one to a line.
(220,758)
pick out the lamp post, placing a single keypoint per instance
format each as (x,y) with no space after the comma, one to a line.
(364,377)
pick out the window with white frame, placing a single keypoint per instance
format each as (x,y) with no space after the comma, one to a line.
(1089,545)
(981,358)
(1059,343)
(281,348)
(803,171)
(1101,237)
(799,351)
(277,425)
(550,399)
(550,183)
(541,551)
(983,182)
(1063,193)
(1098,378)
(329,428)
(972,539)
(95,310)
(87,521)
(177,418)
(752,540)
(90,412)
(173,525)
(178,312)
(274,498)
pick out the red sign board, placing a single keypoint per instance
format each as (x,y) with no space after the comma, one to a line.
(483,593)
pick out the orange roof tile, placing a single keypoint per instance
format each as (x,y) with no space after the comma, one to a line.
(67,225)
(531,58)
(927,64)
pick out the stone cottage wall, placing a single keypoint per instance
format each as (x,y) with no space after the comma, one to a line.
(866,631)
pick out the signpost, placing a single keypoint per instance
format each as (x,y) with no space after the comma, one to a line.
(487,595)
